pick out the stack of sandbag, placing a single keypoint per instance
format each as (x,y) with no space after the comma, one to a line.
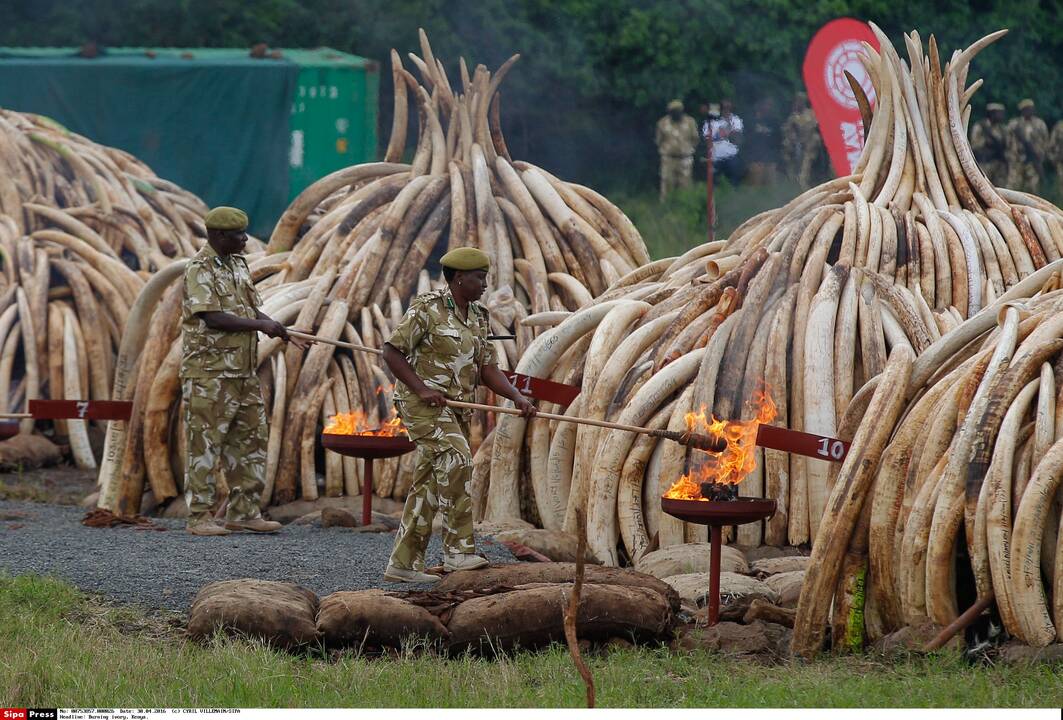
(503,608)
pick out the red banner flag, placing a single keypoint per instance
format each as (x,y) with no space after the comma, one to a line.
(835,49)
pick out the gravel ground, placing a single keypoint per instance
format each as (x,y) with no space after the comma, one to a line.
(157,569)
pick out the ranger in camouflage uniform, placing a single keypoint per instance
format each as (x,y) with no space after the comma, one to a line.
(1027,146)
(225,422)
(801,141)
(677,138)
(440,351)
(1055,151)
(989,140)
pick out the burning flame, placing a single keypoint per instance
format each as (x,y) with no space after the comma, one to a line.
(738,459)
(357,423)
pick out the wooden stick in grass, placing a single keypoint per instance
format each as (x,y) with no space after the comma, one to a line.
(572,611)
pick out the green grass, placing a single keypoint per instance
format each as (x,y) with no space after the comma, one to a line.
(60,648)
(679,223)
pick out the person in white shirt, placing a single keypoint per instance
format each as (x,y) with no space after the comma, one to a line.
(726,135)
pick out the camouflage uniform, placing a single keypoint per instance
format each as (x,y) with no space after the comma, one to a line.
(676,142)
(447,353)
(1027,144)
(1055,151)
(801,145)
(989,140)
(225,420)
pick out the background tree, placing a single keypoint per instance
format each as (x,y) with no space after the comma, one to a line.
(594,74)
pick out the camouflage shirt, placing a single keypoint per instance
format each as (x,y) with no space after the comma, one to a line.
(213,283)
(1027,140)
(1055,146)
(677,139)
(445,351)
(989,140)
(800,135)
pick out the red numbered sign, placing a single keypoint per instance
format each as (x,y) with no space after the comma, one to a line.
(545,390)
(81,409)
(802,443)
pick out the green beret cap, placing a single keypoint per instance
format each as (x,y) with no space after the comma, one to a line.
(226,218)
(466,258)
(675,105)
(990,107)
(1023,104)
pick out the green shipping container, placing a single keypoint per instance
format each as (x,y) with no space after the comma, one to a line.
(233,129)
(334,114)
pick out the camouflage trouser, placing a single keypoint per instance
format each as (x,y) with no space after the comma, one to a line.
(676,172)
(804,169)
(225,424)
(996,171)
(1024,176)
(440,482)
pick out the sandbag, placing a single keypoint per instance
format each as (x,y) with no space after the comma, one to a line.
(774,566)
(766,640)
(556,545)
(788,586)
(533,617)
(690,558)
(374,618)
(694,587)
(556,572)
(282,614)
(28,452)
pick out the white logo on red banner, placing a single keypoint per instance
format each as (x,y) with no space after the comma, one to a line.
(846,57)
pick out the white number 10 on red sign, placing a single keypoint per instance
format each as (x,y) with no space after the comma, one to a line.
(829,447)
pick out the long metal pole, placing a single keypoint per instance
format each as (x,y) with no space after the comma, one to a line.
(710,200)
(550,416)
(716,538)
(367,493)
(337,343)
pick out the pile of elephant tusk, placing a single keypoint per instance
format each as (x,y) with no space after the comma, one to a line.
(959,450)
(82,226)
(911,308)
(344,259)
(554,245)
(828,301)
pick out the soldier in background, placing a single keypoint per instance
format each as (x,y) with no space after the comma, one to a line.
(677,139)
(1027,147)
(802,144)
(989,140)
(725,133)
(1055,152)
(763,148)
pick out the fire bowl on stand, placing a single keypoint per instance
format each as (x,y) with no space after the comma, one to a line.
(716,514)
(369,448)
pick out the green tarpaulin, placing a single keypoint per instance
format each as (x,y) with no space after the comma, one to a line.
(217,126)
